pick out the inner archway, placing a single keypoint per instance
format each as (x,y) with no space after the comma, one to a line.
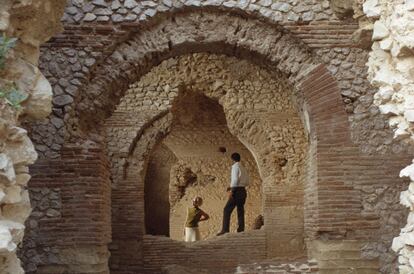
(157,201)
(194,160)
(340,197)
(260,110)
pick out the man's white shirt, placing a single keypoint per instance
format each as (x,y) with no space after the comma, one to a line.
(239,175)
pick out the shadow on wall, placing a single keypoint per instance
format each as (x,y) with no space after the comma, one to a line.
(157,205)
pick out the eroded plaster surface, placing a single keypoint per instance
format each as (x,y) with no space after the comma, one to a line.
(32,22)
(391,66)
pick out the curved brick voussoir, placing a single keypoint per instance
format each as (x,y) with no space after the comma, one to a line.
(186,33)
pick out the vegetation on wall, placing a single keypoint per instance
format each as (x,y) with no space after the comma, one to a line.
(9,92)
(13,96)
(6,44)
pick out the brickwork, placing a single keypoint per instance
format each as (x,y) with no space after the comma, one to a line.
(75,213)
(25,93)
(336,189)
(85,69)
(143,131)
(229,251)
(343,186)
(198,132)
(337,51)
(319,143)
(150,134)
(100,41)
(389,66)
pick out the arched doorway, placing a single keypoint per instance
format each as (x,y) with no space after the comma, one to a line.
(260,111)
(337,204)
(199,146)
(157,191)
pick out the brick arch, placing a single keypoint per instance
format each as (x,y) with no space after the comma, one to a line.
(320,100)
(148,136)
(250,39)
(334,158)
(128,201)
(157,118)
(175,34)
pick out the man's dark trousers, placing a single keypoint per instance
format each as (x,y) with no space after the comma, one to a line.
(238,198)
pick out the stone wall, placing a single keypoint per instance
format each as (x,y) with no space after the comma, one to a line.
(111,24)
(75,62)
(216,255)
(197,133)
(340,177)
(32,22)
(345,191)
(127,11)
(70,226)
(213,176)
(390,71)
(106,48)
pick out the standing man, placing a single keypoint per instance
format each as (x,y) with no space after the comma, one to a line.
(237,195)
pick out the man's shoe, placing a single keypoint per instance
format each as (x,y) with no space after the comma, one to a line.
(221,233)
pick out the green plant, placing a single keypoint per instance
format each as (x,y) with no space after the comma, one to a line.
(6,44)
(13,96)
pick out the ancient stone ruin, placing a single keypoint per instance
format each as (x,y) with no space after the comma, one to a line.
(115,114)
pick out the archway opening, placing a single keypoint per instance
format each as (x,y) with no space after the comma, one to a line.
(194,160)
(157,204)
(338,207)
(176,105)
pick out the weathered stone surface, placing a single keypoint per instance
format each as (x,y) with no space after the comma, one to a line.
(372,8)
(100,3)
(89,17)
(277,11)
(69,69)
(390,70)
(148,95)
(343,8)
(380,31)
(62,100)
(130,4)
(39,104)
(115,5)
(6,240)
(52,213)
(32,22)
(6,168)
